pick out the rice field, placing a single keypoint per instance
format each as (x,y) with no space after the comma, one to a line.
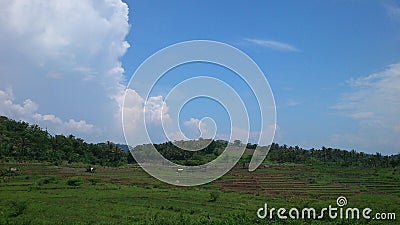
(47,194)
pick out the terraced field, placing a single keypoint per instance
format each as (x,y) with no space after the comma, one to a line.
(47,194)
(311,181)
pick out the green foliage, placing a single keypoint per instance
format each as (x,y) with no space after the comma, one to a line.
(47,180)
(17,208)
(6,174)
(289,154)
(20,141)
(214,196)
(75,182)
(130,196)
(94,181)
(191,158)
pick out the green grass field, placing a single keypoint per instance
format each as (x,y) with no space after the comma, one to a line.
(47,194)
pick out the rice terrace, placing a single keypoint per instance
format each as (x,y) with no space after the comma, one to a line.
(46,194)
(199,112)
(118,191)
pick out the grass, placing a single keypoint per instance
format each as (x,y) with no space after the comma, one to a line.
(47,194)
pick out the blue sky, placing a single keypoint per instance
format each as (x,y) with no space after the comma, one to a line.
(333,66)
(325,44)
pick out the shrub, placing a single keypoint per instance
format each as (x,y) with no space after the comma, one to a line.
(214,196)
(94,181)
(17,208)
(47,180)
(75,182)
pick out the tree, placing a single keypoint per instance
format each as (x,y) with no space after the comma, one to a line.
(237,142)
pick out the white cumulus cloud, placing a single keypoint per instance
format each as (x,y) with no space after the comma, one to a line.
(156,110)
(28,112)
(64,56)
(204,128)
(142,118)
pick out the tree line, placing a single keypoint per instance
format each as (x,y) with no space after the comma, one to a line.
(20,141)
(289,154)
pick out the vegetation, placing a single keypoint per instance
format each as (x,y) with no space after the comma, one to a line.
(191,158)
(128,195)
(20,141)
(44,180)
(17,208)
(214,196)
(296,154)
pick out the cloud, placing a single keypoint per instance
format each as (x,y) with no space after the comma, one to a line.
(362,115)
(191,129)
(133,110)
(65,57)
(273,45)
(291,102)
(204,128)
(194,128)
(192,122)
(374,103)
(392,10)
(156,112)
(28,112)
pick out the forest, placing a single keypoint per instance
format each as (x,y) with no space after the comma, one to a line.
(23,142)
